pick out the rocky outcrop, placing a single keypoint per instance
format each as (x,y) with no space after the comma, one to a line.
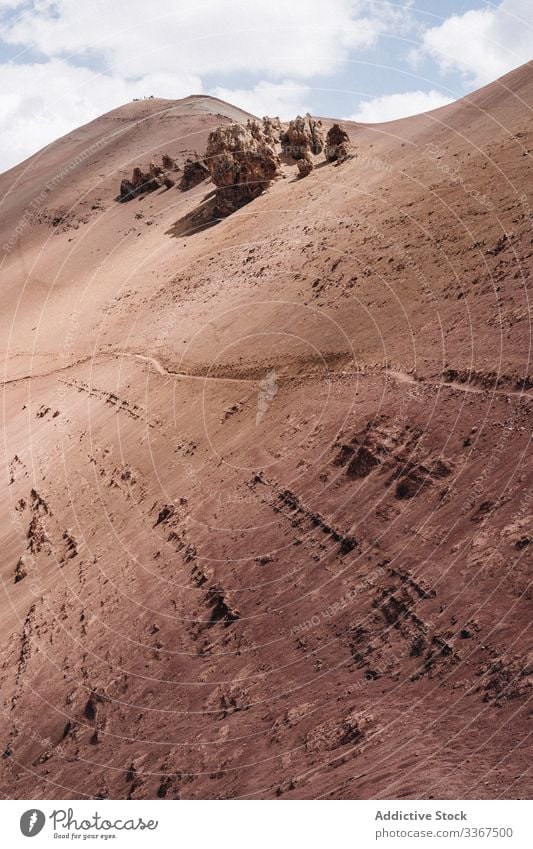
(142,182)
(160,175)
(305,165)
(256,129)
(302,136)
(242,161)
(194,173)
(272,130)
(241,164)
(338,146)
(20,569)
(139,183)
(169,164)
(156,170)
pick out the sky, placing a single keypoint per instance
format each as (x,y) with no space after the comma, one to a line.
(65,62)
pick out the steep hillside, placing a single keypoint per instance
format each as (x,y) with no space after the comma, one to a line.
(267,522)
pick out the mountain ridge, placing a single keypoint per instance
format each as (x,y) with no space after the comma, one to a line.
(266,527)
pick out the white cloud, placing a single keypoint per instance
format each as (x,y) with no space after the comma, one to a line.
(393,106)
(483,44)
(302,39)
(285,99)
(40,102)
(167,48)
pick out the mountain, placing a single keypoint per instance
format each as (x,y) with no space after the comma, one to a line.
(267,522)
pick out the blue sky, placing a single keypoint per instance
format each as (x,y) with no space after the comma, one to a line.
(64,62)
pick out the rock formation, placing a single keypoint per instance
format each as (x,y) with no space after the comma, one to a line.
(301,136)
(139,183)
(169,163)
(194,172)
(155,170)
(305,165)
(241,165)
(272,130)
(255,129)
(337,144)
(142,182)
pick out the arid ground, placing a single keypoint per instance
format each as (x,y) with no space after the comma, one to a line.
(267,512)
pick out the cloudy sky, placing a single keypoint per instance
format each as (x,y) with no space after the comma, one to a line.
(64,62)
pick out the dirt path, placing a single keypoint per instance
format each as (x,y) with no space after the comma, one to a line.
(162,370)
(158,367)
(398,375)
(468,388)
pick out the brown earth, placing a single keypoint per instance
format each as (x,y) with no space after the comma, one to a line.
(266,527)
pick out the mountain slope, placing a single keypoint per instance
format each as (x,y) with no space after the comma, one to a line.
(267,523)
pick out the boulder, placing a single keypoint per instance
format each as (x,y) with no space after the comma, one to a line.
(155,170)
(241,164)
(305,165)
(20,570)
(139,183)
(338,146)
(169,164)
(127,192)
(301,136)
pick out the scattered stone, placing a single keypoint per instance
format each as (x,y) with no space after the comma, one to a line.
(20,570)
(164,514)
(333,733)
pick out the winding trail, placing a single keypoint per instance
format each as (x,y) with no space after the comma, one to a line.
(160,369)
(163,371)
(468,388)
